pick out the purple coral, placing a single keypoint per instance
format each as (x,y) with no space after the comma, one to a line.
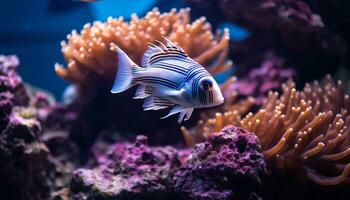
(26,168)
(227,166)
(289,27)
(128,171)
(269,76)
(11,81)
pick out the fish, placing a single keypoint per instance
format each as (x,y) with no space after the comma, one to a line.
(167,77)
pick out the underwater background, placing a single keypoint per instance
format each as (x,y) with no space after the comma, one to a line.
(35,30)
(283,131)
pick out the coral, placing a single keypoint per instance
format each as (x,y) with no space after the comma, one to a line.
(230,162)
(90,58)
(26,171)
(303,132)
(289,27)
(128,171)
(11,82)
(25,168)
(226,166)
(35,152)
(92,66)
(233,110)
(259,81)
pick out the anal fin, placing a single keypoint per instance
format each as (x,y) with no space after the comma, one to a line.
(185,113)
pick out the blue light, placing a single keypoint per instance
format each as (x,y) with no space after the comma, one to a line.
(115,8)
(237,33)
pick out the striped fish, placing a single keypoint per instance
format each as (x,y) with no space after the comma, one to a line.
(168,78)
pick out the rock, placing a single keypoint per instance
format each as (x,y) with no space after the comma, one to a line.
(227,166)
(129,171)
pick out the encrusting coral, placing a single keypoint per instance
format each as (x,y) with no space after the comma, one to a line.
(305,131)
(35,160)
(90,57)
(129,171)
(25,169)
(228,165)
(271,73)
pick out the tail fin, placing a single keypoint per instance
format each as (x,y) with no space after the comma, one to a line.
(125,73)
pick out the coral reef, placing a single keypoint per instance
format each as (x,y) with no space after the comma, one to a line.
(271,139)
(229,165)
(245,94)
(36,154)
(226,166)
(259,81)
(129,171)
(92,66)
(304,132)
(25,169)
(289,27)
(90,58)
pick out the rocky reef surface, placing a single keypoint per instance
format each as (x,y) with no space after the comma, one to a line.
(227,166)
(306,33)
(36,154)
(40,160)
(25,168)
(128,171)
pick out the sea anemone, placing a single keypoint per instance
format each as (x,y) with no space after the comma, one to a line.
(90,57)
(304,130)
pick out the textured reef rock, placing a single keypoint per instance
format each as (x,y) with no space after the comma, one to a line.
(227,166)
(35,151)
(289,27)
(25,169)
(64,153)
(129,171)
(304,135)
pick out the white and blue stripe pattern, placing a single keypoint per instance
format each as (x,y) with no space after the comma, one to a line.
(169,77)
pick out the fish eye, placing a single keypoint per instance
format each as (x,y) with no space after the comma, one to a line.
(206,84)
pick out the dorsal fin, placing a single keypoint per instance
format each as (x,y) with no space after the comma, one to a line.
(154,52)
(171,45)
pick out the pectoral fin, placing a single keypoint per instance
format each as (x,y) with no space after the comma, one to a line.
(142,92)
(156,103)
(184,113)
